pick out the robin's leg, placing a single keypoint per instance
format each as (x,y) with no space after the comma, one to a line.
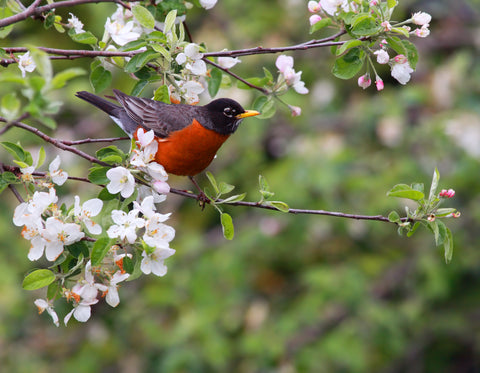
(201,197)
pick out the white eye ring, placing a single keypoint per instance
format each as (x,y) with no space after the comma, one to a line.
(228,112)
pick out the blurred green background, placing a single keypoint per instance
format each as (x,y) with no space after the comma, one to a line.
(289,293)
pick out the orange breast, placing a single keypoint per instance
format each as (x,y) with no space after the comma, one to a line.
(189,151)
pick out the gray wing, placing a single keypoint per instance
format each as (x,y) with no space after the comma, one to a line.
(152,115)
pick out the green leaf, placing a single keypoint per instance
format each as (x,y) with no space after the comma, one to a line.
(396,44)
(78,248)
(214,81)
(128,265)
(140,60)
(134,45)
(347,45)
(53,289)
(213,182)
(143,16)
(100,78)
(442,233)
(100,249)
(263,184)
(258,81)
(139,87)
(348,65)
(41,157)
(444,212)
(10,106)
(83,38)
(16,151)
(279,205)
(402,31)
(38,279)
(105,195)
(320,24)
(413,230)
(98,175)
(9,177)
(225,188)
(394,217)
(412,53)
(405,191)
(235,198)
(266,106)
(162,94)
(227,226)
(434,185)
(365,25)
(111,154)
(64,76)
(170,21)
(3,185)
(448,246)
(391,3)
(163,51)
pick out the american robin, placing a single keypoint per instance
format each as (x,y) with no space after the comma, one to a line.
(188,136)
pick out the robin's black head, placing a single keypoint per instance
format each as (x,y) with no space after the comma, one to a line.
(224,115)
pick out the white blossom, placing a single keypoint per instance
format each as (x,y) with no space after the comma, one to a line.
(76,24)
(208,4)
(292,78)
(26,64)
(421,18)
(192,59)
(56,173)
(121,181)
(44,305)
(58,234)
(126,225)
(89,209)
(112,297)
(382,56)
(121,33)
(154,262)
(401,72)
(228,62)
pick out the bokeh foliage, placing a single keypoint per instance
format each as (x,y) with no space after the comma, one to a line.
(289,293)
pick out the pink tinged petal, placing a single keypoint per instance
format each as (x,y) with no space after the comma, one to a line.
(313,6)
(161,187)
(284,62)
(364,81)
(379,84)
(314,19)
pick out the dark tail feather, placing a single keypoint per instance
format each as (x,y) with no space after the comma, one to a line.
(108,107)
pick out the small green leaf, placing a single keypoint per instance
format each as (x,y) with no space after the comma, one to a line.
(263,184)
(348,65)
(170,21)
(78,248)
(225,188)
(434,185)
(413,230)
(128,264)
(213,182)
(100,249)
(442,233)
(83,38)
(98,175)
(53,289)
(347,45)
(9,177)
(105,195)
(15,150)
(391,3)
(64,76)
(134,45)
(41,157)
(235,198)
(111,154)
(394,217)
(227,226)
(320,24)
(162,94)
(266,106)
(100,78)
(405,191)
(448,246)
(279,205)
(412,53)
(38,279)
(444,212)
(365,25)
(143,16)
(214,81)
(402,31)
(140,60)
(396,44)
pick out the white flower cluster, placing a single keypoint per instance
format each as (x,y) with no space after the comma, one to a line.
(51,230)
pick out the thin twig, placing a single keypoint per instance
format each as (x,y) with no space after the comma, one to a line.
(263,90)
(91,141)
(31,10)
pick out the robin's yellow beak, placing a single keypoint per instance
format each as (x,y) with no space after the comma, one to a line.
(247,113)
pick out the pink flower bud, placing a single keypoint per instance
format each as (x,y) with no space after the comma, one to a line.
(364,81)
(314,19)
(447,193)
(373,3)
(161,187)
(400,58)
(295,110)
(431,218)
(379,84)
(386,25)
(421,18)
(314,6)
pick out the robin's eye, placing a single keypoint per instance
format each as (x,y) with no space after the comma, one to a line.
(229,112)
